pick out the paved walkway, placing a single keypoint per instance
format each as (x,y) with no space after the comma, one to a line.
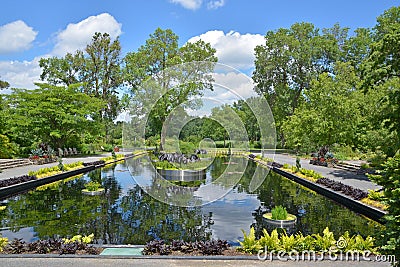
(346,177)
(18,171)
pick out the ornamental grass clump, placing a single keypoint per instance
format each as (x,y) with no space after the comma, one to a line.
(279,213)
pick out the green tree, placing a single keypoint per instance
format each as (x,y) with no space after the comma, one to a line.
(97,69)
(102,74)
(164,64)
(381,69)
(233,127)
(287,63)
(56,115)
(4,84)
(390,180)
(356,48)
(330,114)
(66,70)
(246,115)
(213,129)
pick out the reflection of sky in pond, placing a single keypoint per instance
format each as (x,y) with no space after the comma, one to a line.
(28,234)
(232,213)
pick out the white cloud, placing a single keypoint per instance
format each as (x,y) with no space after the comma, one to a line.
(229,87)
(77,36)
(233,49)
(236,86)
(23,74)
(215,4)
(188,4)
(20,74)
(16,36)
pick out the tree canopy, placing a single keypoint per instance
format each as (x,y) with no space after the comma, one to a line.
(57,115)
(327,87)
(163,76)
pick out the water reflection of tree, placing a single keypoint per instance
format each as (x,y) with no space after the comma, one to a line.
(227,171)
(150,219)
(60,211)
(134,218)
(314,212)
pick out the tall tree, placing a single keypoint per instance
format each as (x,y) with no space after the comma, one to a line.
(66,70)
(330,114)
(97,69)
(381,69)
(173,79)
(102,74)
(247,117)
(288,61)
(356,48)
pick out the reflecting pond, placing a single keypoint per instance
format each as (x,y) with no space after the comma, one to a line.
(126,214)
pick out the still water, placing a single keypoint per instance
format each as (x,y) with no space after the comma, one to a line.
(219,207)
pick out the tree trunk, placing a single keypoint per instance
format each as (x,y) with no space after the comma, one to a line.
(164,129)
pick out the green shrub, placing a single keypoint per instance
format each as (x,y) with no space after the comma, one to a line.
(389,178)
(287,166)
(153,141)
(356,243)
(374,195)
(304,243)
(249,244)
(325,242)
(288,243)
(376,159)
(364,166)
(310,173)
(270,241)
(186,147)
(316,242)
(108,147)
(279,213)
(345,153)
(7,148)
(165,165)
(87,239)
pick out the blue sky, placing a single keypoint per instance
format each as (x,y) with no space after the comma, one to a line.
(30,29)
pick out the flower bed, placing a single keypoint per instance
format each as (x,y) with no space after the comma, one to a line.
(75,245)
(17,180)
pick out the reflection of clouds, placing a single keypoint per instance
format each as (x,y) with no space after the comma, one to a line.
(211,192)
(232,213)
(27,234)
